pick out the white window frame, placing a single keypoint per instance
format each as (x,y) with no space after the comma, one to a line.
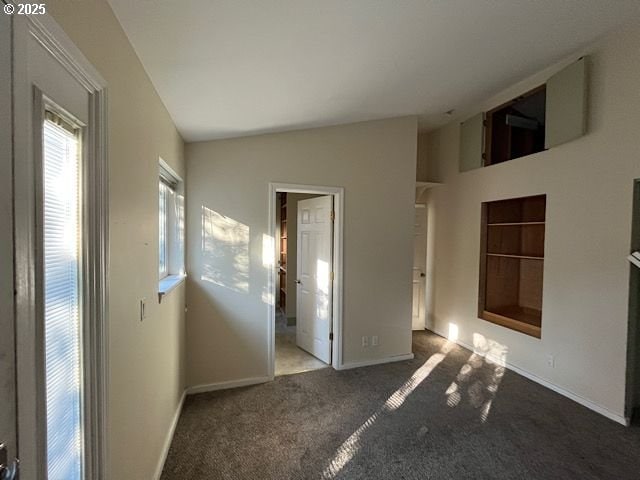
(174,273)
(165,190)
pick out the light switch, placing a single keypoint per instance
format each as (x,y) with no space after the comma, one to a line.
(143,309)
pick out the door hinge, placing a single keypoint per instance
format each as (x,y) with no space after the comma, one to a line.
(331,336)
(332,276)
(333,215)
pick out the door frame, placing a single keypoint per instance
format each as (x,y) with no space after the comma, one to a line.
(271,251)
(29,338)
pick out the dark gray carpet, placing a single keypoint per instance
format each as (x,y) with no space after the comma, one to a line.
(466,419)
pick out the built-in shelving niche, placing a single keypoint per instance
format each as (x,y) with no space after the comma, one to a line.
(512,263)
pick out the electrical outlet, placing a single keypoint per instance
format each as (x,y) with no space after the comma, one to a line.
(551,361)
(374,341)
(365,341)
(143,309)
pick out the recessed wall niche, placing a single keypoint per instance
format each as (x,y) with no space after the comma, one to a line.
(512,263)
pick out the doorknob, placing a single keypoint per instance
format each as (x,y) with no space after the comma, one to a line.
(423,275)
(298,282)
(7,472)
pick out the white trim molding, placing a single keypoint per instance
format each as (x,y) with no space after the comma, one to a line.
(169,283)
(377,361)
(212,387)
(338,286)
(169,438)
(552,386)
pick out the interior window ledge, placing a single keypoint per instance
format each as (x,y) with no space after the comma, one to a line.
(168,283)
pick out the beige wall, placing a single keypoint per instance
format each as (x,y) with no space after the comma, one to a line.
(422,165)
(146,359)
(227,189)
(588,183)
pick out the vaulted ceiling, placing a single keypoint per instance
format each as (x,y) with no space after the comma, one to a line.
(228,68)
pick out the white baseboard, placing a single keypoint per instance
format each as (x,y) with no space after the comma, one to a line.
(211,387)
(169,438)
(562,391)
(377,361)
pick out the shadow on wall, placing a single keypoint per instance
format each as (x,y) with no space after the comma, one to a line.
(225,251)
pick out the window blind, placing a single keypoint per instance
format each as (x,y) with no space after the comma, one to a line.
(163,229)
(62,295)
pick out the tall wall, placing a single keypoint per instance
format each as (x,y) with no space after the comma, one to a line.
(146,359)
(589,187)
(227,230)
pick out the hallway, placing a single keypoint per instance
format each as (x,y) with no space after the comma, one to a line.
(289,357)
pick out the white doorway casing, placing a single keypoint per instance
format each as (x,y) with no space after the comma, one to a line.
(336,311)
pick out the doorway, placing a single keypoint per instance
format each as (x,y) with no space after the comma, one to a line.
(305,223)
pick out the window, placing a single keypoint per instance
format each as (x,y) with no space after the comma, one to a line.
(516,129)
(62,241)
(170,229)
(512,263)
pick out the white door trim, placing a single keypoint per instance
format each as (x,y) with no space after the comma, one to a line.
(29,344)
(338,287)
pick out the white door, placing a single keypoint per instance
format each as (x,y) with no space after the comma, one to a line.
(57,284)
(314,282)
(8,409)
(419,267)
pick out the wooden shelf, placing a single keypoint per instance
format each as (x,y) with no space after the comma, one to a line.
(524,257)
(528,322)
(514,224)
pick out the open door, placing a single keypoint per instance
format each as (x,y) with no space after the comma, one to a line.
(314,283)
(53,334)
